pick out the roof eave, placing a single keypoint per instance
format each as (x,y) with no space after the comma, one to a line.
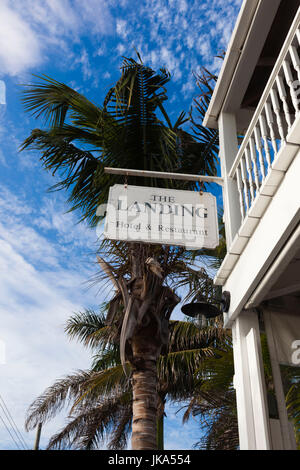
(235,48)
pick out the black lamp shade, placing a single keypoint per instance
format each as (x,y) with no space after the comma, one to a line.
(195,309)
(208,310)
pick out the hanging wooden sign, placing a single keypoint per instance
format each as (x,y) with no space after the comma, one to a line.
(163,216)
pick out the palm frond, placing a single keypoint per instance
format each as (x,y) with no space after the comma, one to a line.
(90,427)
(55,397)
(124,132)
(90,328)
(53,101)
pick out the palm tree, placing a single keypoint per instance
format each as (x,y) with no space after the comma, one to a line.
(214,402)
(100,399)
(124,132)
(81,138)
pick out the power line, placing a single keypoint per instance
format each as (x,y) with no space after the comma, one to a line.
(12,427)
(13,424)
(9,432)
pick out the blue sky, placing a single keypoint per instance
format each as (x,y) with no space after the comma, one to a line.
(45,257)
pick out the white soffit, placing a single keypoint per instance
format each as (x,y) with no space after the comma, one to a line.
(242,43)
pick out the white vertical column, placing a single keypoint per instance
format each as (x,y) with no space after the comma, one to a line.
(228,152)
(249,383)
(287,440)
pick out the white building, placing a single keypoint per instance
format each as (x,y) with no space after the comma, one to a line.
(256,106)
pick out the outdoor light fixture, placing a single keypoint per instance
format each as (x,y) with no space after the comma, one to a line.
(208,310)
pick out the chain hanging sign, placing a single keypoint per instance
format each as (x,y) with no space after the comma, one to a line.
(162,216)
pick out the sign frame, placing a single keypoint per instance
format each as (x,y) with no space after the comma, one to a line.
(162,216)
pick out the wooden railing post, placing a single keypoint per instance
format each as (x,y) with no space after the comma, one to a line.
(228,152)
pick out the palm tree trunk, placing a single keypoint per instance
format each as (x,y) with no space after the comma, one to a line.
(144,385)
(160,419)
(160,433)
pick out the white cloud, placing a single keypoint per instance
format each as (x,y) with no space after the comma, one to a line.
(121,49)
(52,216)
(179,436)
(106,75)
(33,30)
(199,30)
(11,204)
(84,61)
(100,51)
(30,30)
(96,14)
(188,87)
(204,47)
(62,10)
(44,235)
(39,290)
(190,40)
(182,6)
(19,46)
(2,159)
(29,242)
(33,310)
(121,28)
(2,92)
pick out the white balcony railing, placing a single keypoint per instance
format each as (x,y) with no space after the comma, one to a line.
(272,122)
(266,152)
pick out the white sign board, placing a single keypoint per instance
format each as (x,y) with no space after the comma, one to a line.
(163,216)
